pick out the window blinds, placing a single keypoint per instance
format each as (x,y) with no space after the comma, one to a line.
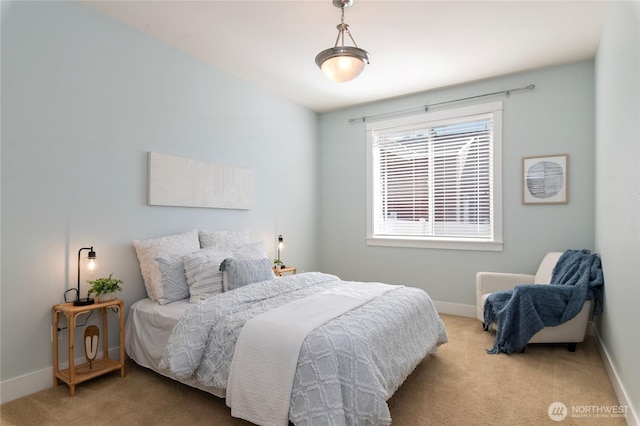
(434,179)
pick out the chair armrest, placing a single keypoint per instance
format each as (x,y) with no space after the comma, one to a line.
(489,282)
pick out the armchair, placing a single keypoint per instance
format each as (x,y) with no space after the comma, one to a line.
(571,332)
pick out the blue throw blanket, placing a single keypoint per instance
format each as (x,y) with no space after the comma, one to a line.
(522,312)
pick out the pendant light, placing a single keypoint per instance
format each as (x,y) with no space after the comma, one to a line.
(342,63)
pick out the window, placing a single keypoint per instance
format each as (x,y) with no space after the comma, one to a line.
(434,180)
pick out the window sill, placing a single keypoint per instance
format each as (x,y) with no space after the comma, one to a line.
(435,244)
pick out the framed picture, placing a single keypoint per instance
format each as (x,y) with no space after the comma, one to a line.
(544,179)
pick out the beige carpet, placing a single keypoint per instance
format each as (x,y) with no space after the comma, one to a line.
(461,385)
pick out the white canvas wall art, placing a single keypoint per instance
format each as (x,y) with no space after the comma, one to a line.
(183,182)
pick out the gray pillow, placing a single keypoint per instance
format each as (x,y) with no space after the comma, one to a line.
(172,279)
(240,272)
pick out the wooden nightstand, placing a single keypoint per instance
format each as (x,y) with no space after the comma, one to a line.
(289,270)
(79,373)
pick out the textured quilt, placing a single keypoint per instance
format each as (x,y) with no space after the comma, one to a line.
(347,369)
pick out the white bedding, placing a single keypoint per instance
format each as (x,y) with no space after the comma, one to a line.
(347,368)
(266,354)
(147,332)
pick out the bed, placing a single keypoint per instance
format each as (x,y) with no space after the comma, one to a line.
(307,349)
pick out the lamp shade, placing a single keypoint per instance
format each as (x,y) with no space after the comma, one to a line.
(90,263)
(342,63)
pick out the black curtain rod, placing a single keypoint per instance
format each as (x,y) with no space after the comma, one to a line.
(425,108)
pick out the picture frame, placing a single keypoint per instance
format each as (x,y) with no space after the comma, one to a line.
(545,179)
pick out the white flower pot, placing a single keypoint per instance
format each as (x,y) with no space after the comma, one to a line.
(106,297)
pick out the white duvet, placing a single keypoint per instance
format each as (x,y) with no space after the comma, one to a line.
(347,368)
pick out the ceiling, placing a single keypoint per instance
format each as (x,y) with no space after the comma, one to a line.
(414,45)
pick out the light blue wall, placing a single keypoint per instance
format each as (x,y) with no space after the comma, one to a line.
(557,117)
(618,191)
(83,100)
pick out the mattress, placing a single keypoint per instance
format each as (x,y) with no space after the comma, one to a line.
(147,332)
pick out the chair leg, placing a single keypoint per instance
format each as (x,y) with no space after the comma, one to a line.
(572,347)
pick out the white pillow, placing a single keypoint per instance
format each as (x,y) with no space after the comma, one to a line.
(240,272)
(148,250)
(227,239)
(202,271)
(255,250)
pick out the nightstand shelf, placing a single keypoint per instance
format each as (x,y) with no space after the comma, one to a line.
(84,373)
(289,270)
(81,373)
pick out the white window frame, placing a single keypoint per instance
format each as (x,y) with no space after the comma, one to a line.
(493,244)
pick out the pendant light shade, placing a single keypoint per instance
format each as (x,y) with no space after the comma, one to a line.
(342,63)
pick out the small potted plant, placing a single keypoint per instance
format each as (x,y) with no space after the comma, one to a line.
(278,263)
(104,288)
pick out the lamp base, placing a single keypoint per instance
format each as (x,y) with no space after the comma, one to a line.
(83,302)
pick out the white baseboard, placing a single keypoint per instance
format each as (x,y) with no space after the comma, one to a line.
(39,380)
(633,419)
(455,309)
(25,385)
